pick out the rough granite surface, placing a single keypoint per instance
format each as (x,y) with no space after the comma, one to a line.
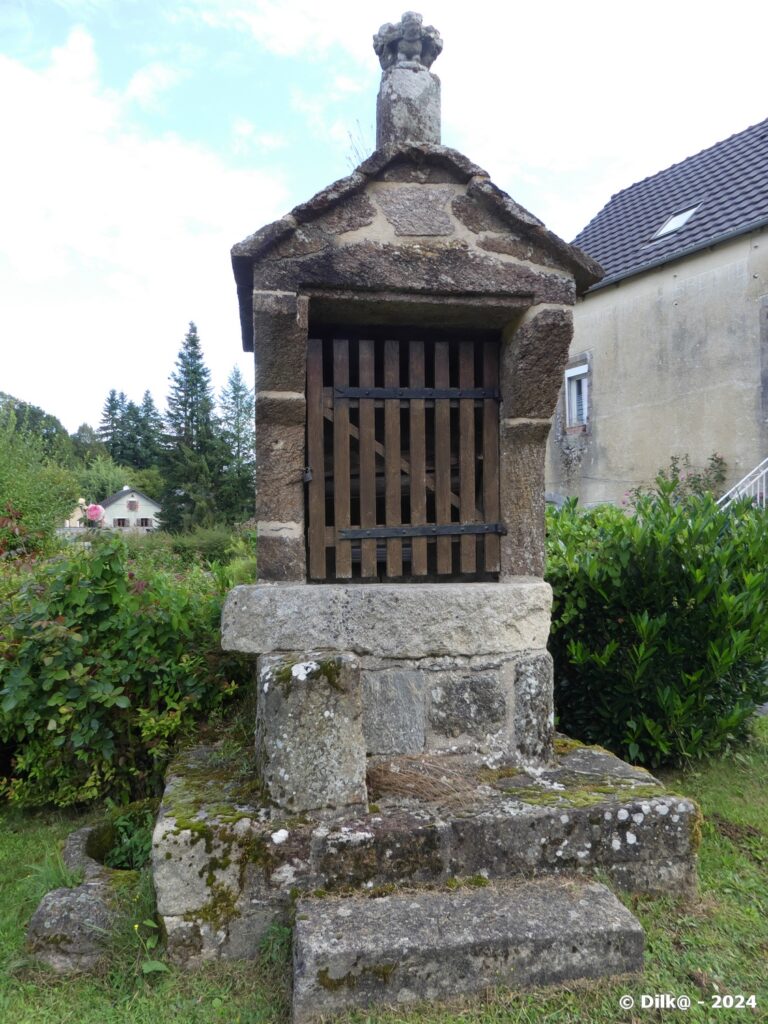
(431,946)
(428,620)
(226,863)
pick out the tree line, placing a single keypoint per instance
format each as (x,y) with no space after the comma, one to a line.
(196,459)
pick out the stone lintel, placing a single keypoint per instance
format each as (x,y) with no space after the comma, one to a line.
(522,444)
(389,620)
(401,308)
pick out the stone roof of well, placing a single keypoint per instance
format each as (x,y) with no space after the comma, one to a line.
(728,185)
(253,248)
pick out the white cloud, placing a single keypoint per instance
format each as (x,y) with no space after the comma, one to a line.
(111,241)
(246,136)
(149,82)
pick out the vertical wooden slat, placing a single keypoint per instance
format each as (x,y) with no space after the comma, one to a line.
(468,544)
(316,460)
(392,482)
(491,509)
(418,458)
(341,483)
(443,456)
(367,460)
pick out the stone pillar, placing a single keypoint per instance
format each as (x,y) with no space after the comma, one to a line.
(408,106)
(280,346)
(309,732)
(533,357)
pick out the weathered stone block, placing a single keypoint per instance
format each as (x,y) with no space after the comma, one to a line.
(394,713)
(432,619)
(522,445)
(70,929)
(408,107)
(534,715)
(280,342)
(448,264)
(309,734)
(281,552)
(226,865)
(417,209)
(534,360)
(471,708)
(280,462)
(437,945)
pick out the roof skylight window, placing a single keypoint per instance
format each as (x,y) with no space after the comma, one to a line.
(675,222)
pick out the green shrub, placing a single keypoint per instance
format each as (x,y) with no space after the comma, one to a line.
(132,846)
(203,545)
(660,623)
(101,670)
(36,496)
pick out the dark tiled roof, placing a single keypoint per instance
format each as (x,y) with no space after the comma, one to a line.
(122,493)
(728,183)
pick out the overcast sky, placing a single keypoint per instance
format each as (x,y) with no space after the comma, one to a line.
(141,138)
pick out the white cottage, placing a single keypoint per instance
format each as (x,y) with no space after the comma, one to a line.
(130,509)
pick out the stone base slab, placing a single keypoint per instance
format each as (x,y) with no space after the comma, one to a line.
(432,945)
(389,620)
(225,866)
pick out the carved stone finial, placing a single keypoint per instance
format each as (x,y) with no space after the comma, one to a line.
(408,42)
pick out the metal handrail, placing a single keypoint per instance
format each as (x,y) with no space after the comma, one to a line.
(753,485)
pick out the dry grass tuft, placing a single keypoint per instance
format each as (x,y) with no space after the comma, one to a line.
(431,779)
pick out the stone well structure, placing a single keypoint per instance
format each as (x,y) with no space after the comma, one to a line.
(410,324)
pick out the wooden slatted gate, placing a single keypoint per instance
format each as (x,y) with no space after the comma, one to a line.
(403,455)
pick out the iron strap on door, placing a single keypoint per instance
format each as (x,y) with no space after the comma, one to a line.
(406,394)
(430,530)
(402,450)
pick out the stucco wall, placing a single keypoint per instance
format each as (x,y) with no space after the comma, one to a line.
(678,364)
(118,509)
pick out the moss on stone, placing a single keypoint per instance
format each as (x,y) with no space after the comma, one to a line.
(219,910)
(566,745)
(325,981)
(492,775)
(586,793)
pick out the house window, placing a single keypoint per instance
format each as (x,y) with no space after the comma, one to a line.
(577,396)
(675,222)
(120,523)
(144,522)
(133,506)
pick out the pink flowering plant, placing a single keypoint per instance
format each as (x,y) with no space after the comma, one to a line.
(95,514)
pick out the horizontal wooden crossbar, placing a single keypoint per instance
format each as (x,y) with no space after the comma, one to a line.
(478,394)
(428,530)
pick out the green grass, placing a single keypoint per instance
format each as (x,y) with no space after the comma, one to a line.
(717,943)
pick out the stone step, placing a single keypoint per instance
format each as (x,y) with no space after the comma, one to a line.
(433,945)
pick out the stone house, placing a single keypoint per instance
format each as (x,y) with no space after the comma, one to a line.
(670,348)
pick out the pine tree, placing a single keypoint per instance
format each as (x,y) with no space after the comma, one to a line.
(236,403)
(110,425)
(191,461)
(151,432)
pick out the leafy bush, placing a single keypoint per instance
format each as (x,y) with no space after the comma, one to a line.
(35,495)
(681,480)
(132,838)
(204,544)
(100,671)
(660,623)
